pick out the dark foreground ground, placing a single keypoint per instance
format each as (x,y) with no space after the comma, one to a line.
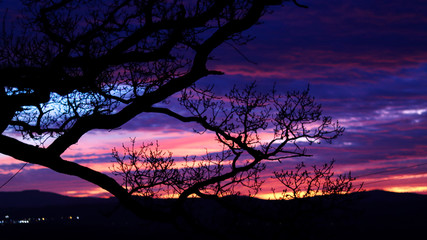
(367,215)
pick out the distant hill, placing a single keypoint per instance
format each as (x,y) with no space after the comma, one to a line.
(36,198)
(366,215)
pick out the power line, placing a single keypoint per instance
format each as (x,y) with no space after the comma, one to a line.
(384,180)
(391,170)
(10,179)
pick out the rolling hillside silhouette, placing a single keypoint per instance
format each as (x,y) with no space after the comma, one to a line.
(366,215)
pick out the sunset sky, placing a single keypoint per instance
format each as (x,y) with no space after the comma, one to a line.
(365,62)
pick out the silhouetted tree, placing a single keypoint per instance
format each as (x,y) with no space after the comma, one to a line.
(69,67)
(252,127)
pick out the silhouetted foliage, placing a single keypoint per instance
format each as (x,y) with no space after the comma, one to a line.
(303,183)
(69,67)
(145,170)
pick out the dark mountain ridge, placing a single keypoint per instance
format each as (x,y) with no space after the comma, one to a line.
(36,198)
(368,215)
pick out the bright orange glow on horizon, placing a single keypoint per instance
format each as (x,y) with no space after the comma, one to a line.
(97,192)
(408,189)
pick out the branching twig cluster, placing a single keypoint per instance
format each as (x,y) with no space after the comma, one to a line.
(252,127)
(303,183)
(151,172)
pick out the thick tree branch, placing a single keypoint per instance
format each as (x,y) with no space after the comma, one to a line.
(46,158)
(202,121)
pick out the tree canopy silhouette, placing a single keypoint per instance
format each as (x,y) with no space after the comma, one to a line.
(69,67)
